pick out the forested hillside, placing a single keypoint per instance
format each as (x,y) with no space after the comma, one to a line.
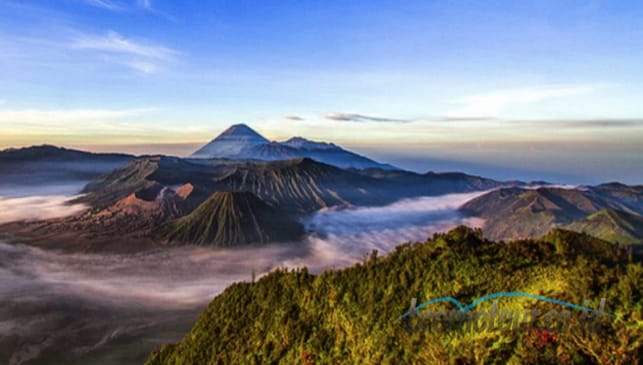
(350,316)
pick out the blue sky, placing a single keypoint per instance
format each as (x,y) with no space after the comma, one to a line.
(522,89)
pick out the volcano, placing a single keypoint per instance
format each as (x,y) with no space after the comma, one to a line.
(240,142)
(231,142)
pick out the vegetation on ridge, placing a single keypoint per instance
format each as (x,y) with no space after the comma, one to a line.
(513,213)
(349,316)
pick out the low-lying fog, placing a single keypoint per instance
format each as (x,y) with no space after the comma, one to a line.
(115,309)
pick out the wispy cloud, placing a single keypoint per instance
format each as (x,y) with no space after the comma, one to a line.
(141,56)
(115,5)
(105,4)
(351,117)
(128,6)
(55,116)
(472,118)
(492,104)
(114,42)
(144,67)
(585,123)
(146,4)
(24,126)
(294,117)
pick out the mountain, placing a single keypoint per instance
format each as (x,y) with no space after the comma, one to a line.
(297,186)
(151,193)
(630,195)
(146,208)
(350,316)
(243,143)
(233,218)
(141,174)
(48,164)
(231,142)
(612,225)
(512,213)
(414,184)
(305,144)
(273,151)
(332,154)
(49,153)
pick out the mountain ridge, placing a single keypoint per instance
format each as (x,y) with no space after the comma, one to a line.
(242,142)
(612,225)
(513,213)
(230,218)
(231,142)
(349,315)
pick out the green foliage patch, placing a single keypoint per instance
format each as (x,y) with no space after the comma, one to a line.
(349,316)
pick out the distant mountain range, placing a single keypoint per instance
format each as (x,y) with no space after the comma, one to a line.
(241,142)
(612,225)
(609,211)
(37,164)
(242,187)
(178,201)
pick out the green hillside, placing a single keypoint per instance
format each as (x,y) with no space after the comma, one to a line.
(515,213)
(612,225)
(349,316)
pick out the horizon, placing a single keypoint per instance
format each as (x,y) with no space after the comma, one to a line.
(535,90)
(184,150)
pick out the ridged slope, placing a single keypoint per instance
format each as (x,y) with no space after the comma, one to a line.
(612,225)
(528,213)
(304,185)
(232,218)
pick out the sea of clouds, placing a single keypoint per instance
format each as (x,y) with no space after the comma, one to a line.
(39,286)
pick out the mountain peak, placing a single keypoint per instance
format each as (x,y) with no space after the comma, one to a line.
(240,129)
(232,141)
(301,142)
(297,139)
(241,142)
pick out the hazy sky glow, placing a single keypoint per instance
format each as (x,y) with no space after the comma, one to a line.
(528,88)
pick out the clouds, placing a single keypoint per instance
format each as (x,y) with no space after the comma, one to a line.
(105,4)
(494,103)
(192,275)
(294,118)
(36,208)
(70,45)
(146,4)
(55,116)
(351,117)
(142,56)
(585,123)
(148,290)
(114,42)
(114,5)
(17,125)
(128,6)
(93,126)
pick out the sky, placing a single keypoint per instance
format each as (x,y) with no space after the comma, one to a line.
(530,89)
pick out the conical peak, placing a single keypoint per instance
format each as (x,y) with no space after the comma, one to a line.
(231,142)
(240,129)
